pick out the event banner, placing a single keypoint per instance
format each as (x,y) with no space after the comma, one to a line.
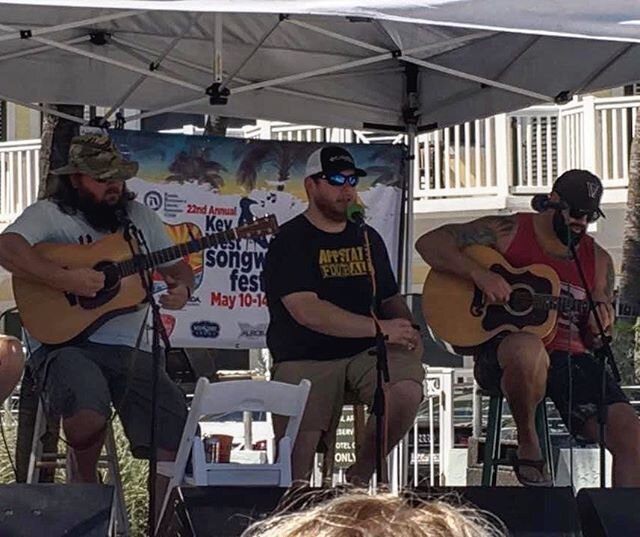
(201,185)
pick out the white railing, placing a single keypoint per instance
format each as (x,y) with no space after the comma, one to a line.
(19,177)
(593,133)
(483,162)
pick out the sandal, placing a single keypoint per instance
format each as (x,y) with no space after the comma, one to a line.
(538,465)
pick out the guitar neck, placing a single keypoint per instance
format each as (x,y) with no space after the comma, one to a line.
(570,304)
(159,257)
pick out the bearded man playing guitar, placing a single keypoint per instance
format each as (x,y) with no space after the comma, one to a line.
(522,365)
(81,379)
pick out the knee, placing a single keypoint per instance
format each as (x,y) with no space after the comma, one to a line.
(624,440)
(84,427)
(406,394)
(523,352)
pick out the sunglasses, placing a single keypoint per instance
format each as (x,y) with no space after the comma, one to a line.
(579,214)
(338,179)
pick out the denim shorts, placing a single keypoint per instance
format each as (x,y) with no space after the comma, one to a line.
(94,376)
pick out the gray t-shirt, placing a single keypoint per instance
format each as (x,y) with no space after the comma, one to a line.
(45,222)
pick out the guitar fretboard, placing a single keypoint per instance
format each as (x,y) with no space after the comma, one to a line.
(567,304)
(159,257)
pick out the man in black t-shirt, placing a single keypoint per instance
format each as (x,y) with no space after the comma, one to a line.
(320,296)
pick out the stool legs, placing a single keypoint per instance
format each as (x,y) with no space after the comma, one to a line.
(492,444)
(542,428)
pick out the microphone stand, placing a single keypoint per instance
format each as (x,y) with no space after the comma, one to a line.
(158,331)
(604,353)
(382,366)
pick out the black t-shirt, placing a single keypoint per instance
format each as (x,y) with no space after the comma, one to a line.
(332,265)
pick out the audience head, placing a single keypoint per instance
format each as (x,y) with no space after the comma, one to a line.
(359,514)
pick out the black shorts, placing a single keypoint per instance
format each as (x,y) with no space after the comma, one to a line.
(586,378)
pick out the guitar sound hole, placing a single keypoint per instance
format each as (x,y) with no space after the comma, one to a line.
(520,301)
(110,289)
(111,276)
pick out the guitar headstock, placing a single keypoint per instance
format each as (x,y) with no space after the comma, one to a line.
(267,225)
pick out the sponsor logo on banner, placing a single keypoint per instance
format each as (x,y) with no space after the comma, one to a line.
(252,331)
(153,200)
(205,329)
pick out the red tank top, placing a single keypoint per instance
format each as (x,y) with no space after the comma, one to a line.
(525,250)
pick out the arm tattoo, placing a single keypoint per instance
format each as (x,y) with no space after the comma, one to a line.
(485,231)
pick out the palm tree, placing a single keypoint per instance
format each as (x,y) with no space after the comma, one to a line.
(626,343)
(390,170)
(281,156)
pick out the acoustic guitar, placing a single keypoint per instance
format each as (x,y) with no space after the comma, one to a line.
(456,310)
(55,317)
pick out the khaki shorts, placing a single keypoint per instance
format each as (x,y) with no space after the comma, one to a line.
(338,382)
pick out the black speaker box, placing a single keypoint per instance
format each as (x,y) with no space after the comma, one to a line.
(525,511)
(217,511)
(609,512)
(55,510)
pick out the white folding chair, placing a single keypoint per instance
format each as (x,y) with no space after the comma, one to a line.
(233,396)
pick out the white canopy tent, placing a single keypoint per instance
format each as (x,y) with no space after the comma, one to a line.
(324,62)
(401,66)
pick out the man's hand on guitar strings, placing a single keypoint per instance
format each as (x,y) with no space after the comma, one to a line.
(176,296)
(495,287)
(83,281)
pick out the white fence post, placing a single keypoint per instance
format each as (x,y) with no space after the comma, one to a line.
(265,129)
(503,154)
(589,148)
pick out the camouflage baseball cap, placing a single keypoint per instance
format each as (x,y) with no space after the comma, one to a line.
(97,156)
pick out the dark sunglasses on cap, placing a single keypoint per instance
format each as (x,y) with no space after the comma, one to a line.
(579,214)
(339,179)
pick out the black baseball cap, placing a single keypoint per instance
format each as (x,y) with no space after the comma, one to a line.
(330,160)
(581,190)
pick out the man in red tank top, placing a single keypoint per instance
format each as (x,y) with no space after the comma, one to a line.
(520,364)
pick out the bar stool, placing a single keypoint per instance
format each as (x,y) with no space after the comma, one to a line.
(109,461)
(492,458)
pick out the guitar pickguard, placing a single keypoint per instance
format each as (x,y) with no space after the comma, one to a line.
(496,315)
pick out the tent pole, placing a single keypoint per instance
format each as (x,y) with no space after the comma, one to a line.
(479,79)
(155,65)
(244,62)
(104,59)
(68,25)
(407,279)
(44,109)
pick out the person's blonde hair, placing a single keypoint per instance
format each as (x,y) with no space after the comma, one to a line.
(358,514)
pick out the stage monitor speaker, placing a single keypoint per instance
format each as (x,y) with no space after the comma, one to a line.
(55,510)
(609,512)
(217,511)
(525,511)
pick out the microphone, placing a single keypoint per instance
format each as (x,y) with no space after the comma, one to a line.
(541,202)
(355,214)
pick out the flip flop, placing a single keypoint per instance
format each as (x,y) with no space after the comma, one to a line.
(538,465)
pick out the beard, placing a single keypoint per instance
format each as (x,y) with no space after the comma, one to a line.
(102,216)
(332,211)
(564,231)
